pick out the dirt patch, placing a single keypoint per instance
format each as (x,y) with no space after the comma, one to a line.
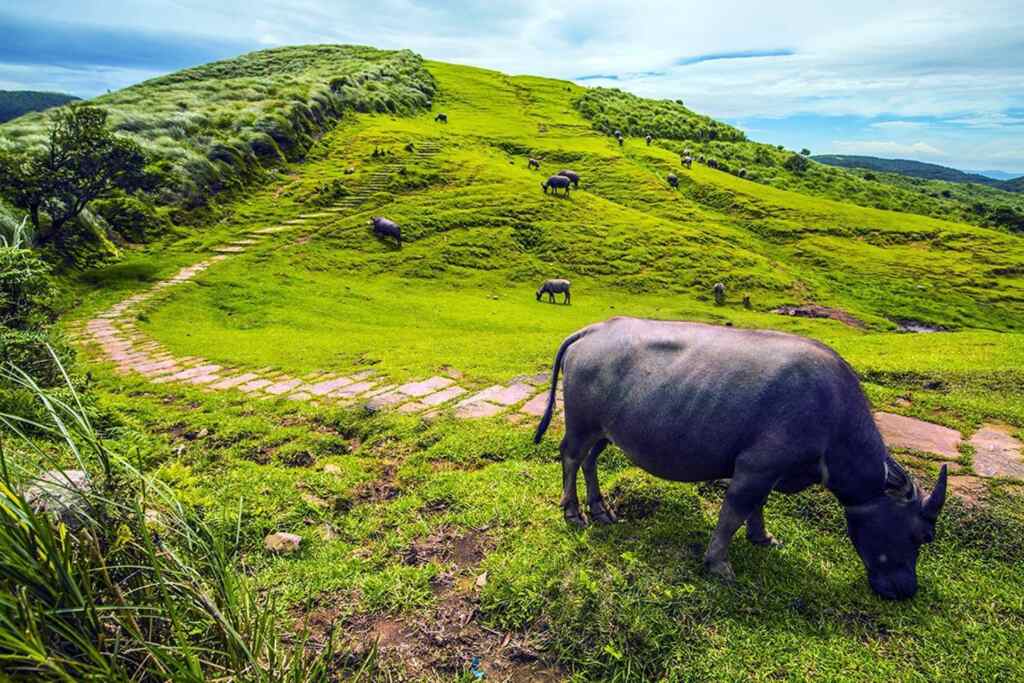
(446,642)
(449,545)
(381,489)
(816,311)
(968,488)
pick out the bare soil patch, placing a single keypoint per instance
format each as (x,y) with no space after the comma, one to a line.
(816,311)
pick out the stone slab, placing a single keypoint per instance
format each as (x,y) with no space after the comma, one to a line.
(443,396)
(997,452)
(232,382)
(475,409)
(283,386)
(899,431)
(427,386)
(327,386)
(254,385)
(353,390)
(503,395)
(536,405)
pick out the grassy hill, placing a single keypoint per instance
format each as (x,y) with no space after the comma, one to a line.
(914,169)
(15,103)
(402,516)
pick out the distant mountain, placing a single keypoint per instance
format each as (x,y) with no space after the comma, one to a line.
(916,169)
(998,175)
(14,103)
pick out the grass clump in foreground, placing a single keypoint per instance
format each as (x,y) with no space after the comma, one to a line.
(129,585)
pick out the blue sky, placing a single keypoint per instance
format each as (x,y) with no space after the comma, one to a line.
(933,80)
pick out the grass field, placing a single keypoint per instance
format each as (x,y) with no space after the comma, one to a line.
(401,518)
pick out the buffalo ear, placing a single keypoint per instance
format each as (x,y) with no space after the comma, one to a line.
(932,505)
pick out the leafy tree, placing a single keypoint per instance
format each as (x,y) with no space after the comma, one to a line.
(806,152)
(82,161)
(796,163)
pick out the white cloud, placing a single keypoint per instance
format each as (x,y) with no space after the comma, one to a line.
(886,148)
(899,125)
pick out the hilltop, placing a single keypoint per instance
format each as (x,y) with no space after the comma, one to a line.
(15,103)
(281,369)
(916,169)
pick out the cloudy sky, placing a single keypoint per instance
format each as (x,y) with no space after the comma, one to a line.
(933,80)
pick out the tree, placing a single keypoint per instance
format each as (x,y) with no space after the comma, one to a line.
(806,152)
(81,162)
(796,163)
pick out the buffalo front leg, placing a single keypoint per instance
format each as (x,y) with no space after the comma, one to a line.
(567,297)
(756,532)
(551,297)
(599,510)
(746,494)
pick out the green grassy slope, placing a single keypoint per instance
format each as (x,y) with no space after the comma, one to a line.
(622,603)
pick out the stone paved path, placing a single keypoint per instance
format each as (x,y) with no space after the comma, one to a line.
(997,452)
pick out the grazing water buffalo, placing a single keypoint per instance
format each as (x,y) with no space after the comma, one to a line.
(719,291)
(552,287)
(647,139)
(571,175)
(673,180)
(441,118)
(533,163)
(767,410)
(555,182)
(383,227)
(687,162)
(620,141)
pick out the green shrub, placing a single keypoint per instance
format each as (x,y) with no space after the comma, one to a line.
(132,218)
(611,109)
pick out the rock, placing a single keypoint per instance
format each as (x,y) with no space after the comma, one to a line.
(331,468)
(62,494)
(481,581)
(282,543)
(997,453)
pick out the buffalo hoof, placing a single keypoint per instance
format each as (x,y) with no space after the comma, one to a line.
(602,514)
(721,570)
(767,541)
(574,518)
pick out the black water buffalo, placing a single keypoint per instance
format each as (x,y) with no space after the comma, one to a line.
(555,182)
(441,118)
(687,161)
(552,287)
(719,291)
(647,139)
(767,410)
(621,141)
(571,175)
(672,180)
(533,163)
(382,227)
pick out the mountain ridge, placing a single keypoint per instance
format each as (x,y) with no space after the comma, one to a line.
(917,169)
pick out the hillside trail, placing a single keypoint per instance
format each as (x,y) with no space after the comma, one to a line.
(114,335)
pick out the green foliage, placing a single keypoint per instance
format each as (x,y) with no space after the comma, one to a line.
(133,218)
(15,103)
(144,591)
(797,163)
(214,127)
(611,109)
(82,161)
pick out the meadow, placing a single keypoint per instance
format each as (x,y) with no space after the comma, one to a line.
(428,542)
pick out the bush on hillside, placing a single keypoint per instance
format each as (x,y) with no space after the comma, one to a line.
(797,163)
(611,109)
(132,219)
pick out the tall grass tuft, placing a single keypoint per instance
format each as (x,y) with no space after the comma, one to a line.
(143,590)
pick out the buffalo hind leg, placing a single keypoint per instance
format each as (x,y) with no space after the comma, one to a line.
(573,450)
(746,495)
(756,532)
(567,297)
(599,510)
